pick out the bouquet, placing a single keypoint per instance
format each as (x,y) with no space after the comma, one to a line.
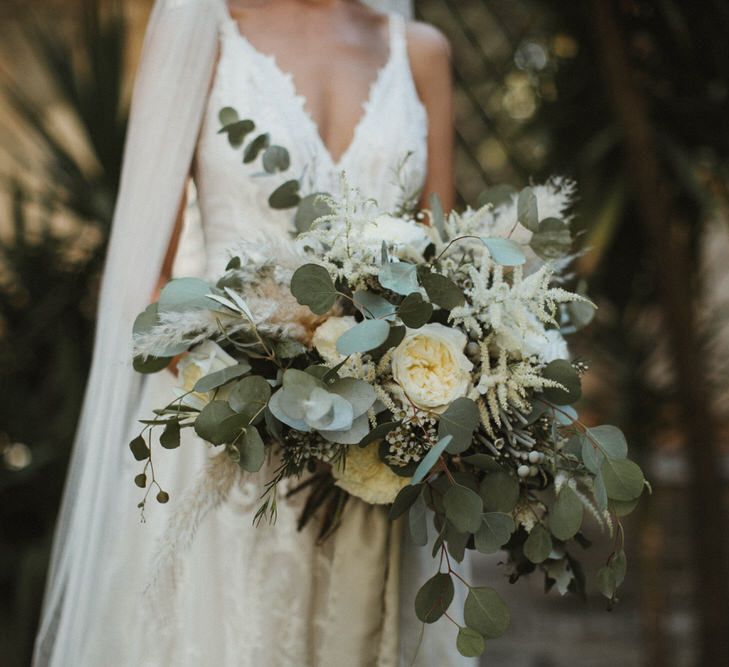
(420,367)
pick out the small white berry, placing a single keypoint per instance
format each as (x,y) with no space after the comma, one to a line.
(535,457)
(523,471)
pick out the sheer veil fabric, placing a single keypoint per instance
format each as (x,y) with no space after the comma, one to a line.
(168,103)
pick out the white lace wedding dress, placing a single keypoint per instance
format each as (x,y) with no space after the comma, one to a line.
(267,596)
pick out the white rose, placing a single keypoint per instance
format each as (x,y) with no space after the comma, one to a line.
(206,358)
(326,336)
(407,237)
(430,367)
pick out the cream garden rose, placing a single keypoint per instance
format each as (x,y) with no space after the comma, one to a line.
(326,336)
(206,358)
(431,368)
(365,476)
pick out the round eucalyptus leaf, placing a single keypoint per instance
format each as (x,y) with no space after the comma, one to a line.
(151,364)
(141,481)
(285,196)
(610,440)
(580,314)
(504,251)
(565,518)
(562,371)
(358,393)
(311,208)
(469,643)
(591,453)
(417,523)
(250,395)
(400,277)
(404,500)
(139,448)
(223,376)
(459,420)
(252,450)
(538,545)
(552,240)
(434,597)
(312,286)
(463,508)
(237,132)
(624,507)
(170,438)
(442,291)
(606,582)
(500,492)
(495,531)
(414,311)
(363,337)
(275,158)
(228,116)
(181,294)
(255,147)
(209,423)
(497,196)
(486,613)
(526,209)
(373,306)
(378,433)
(623,479)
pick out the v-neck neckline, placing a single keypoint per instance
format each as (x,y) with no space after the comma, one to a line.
(302,102)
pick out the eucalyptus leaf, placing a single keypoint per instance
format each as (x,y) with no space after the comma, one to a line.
(255,147)
(592,456)
(404,501)
(538,545)
(494,532)
(434,597)
(312,286)
(252,450)
(552,240)
(310,209)
(285,196)
(139,448)
(442,291)
(483,462)
(463,508)
(469,643)
(460,421)
(417,521)
(363,337)
(414,311)
(610,440)
(497,196)
(566,516)
(606,583)
(430,459)
(237,131)
(170,438)
(394,338)
(151,364)
(181,294)
(486,613)
(221,377)
(358,393)
(275,158)
(504,251)
(600,493)
(373,306)
(250,395)
(209,423)
(619,565)
(456,541)
(499,492)
(228,116)
(624,507)
(562,371)
(400,277)
(526,210)
(623,479)
(378,433)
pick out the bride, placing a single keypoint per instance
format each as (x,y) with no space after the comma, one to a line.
(346,89)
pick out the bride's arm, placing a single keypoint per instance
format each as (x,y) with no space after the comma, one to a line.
(430,61)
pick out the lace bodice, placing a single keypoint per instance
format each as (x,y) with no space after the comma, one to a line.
(386,158)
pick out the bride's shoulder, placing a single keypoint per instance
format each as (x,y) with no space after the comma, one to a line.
(429,52)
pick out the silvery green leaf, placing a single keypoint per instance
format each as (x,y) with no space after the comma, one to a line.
(606,582)
(469,643)
(252,450)
(592,457)
(250,395)
(182,294)
(600,493)
(148,365)
(310,209)
(404,501)
(378,433)
(500,492)
(442,291)
(495,530)
(610,440)
(504,251)
(209,423)
(360,428)
(227,116)
(373,305)
(417,522)
(338,417)
(237,131)
(312,286)
(497,196)
(566,415)
(223,302)
(526,210)
(219,378)
(414,311)
(459,420)
(275,158)
(144,323)
(552,240)
(400,277)
(274,405)
(463,508)
(430,459)
(623,479)
(358,393)
(538,545)
(565,518)
(486,613)
(255,147)
(319,408)
(363,337)
(240,302)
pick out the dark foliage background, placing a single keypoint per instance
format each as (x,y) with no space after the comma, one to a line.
(627,96)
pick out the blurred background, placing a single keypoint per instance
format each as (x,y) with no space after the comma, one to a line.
(629,97)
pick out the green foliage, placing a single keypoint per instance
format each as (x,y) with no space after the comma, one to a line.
(219,378)
(486,613)
(442,291)
(463,508)
(538,545)
(495,530)
(470,644)
(310,208)
(499,491)
(170,438)
(504,251)
(417,521)
(430,459)
(459,421)
(404,500)
(563,372)
(565,518)
(400,277)
(285,196)
(526,210)
(414,311)
(552,240)
(312,286)
(434,597)
(363,337)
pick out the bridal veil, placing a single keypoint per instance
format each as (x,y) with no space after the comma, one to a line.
(169,97)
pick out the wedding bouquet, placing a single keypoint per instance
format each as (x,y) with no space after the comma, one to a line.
(422,367)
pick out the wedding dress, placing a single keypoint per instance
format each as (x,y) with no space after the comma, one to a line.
(233,594)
